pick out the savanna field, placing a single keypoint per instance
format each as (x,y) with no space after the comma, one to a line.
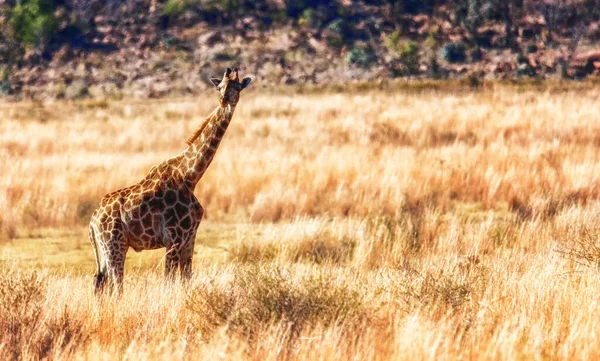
(385,223)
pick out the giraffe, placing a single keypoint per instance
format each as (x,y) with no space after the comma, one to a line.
(161,210)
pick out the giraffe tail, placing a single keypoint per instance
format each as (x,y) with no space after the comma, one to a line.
(100,277)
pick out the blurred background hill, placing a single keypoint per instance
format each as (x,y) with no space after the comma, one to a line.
(149,48)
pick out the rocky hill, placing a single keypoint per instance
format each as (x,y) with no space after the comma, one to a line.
(149,48)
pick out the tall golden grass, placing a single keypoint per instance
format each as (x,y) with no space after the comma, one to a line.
(377,225)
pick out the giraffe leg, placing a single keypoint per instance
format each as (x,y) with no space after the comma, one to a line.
(185,264)
(100,279)
(116,265)
(186,256)
(187,250)
(115,253)
(171,262)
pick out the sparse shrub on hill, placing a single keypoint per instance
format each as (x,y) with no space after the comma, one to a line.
(362,56)
(409,56)
(531,48)
(173,8)
(5,84)
(403,7)
(453,52)
(310,18)
(295,8)
(33,22)
(407,52)
(336,33)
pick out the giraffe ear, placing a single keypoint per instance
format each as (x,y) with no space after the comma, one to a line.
(246,82)
(215,82)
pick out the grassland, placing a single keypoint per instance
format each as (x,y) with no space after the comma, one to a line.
(374,224)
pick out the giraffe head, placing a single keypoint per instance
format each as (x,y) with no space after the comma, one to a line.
(230,86)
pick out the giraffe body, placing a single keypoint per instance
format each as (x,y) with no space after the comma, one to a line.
(161,211)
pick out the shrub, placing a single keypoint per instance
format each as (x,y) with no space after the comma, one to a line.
(581,246)
(319,248)
(296,7)
(521,59)
(409,56)
(5,85)
(401,7)
(476,54)
(173,8)
(21,298)
(233,7)
(418,6)
(453,52)
(259,297)
(338,32)
(531,48)
(336,26)
(33,22)
(392,41)
(310,18)
(451,288)
(361,56)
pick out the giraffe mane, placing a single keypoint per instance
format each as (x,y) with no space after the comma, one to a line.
(197,133)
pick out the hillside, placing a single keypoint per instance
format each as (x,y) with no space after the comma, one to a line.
(147,48)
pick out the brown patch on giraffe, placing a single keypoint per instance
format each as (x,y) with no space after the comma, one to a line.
(180,209)
(170,197)
(219,133)
(147,221)
(214,144)
(136,228)
(186,222)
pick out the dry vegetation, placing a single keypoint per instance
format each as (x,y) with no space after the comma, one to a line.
(376,225)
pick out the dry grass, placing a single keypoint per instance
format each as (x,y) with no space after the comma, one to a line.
(374,225)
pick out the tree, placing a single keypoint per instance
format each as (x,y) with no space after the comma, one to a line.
(33,23)
(511,11)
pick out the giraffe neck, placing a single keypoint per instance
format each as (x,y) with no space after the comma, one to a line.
(203,148)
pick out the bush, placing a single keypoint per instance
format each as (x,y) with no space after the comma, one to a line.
(336,26)
(392,41)
(445,288)
(320,248)
(401,7)
(33,22)
(531,48)
(338,32)
(361,56)
(521,59)
(409,56)
(582,247)
(310,18)
(21,300)
(453,52)
(417,6)
(5,87)
(259,296)
(173,8)
(295,8)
